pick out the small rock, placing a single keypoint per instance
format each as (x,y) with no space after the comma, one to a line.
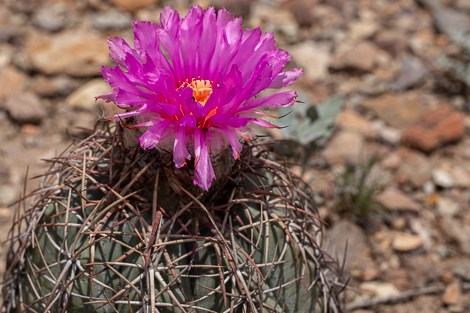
(399,277)
(303,11)
(458,102)
(9,130)
(447,207)
(423,230)
(392,41)
(461,176)
(442,178)
(25,6)
(394,199)
(458,231)
(10,33)
(313,57)
(425,303)
(25,108)
(429,188)
(352,121)
(415,168)
(53,86)
(275,20)
(370,273)
(6,56)
(412,74)
(405,242)
(84,97)
(345,147)
(345,234)
(30,130)
(12,82)
(77,53)
(453,294)
(422,41)
(5,215)
(51,17)
(362,29)
(409,22)
(5,174)
(449,21)
(8,194)
(399,223)
(379,289)
(236,7)
(133,5)
(111,19)
(397,110)
(389,135)
(463,5)
(392,161)
(423,268)
(327,21)
(361,57)
(463,149)
(435,128)
(462,269)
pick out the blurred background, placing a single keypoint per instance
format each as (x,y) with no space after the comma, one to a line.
(382,134)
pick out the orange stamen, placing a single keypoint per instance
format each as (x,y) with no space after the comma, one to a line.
(202,89)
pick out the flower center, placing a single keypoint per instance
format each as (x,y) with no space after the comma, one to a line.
(202,89)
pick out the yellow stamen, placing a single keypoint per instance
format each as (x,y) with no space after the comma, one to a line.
(202,89)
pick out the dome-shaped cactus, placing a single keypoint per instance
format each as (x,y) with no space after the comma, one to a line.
(112,230)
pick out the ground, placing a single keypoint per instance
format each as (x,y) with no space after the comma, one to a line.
(404,123)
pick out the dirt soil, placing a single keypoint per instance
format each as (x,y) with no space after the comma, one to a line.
(409,242)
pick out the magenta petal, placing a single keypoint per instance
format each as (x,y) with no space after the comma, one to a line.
(230,120)
(153,135)
(264,123)
(204,173)
(189,36)
(169,38)
(231,136)
(123,116)
(260,79)
(188,121)
(119,49)
(278,60)
(250,58)
(109,97)
(233,32)
(286,79)
(180,151)
(223,18)
(146,43)
(208,38)
(126,92)
(169,18)
(145,37)
(224,94)
(279,99)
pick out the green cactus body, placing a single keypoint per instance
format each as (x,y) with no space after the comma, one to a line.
(114,230)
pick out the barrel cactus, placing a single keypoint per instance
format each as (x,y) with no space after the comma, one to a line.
(175,209)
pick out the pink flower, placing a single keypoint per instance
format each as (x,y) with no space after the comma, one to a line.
(193,82)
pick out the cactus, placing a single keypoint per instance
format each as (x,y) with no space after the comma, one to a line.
(115,229)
